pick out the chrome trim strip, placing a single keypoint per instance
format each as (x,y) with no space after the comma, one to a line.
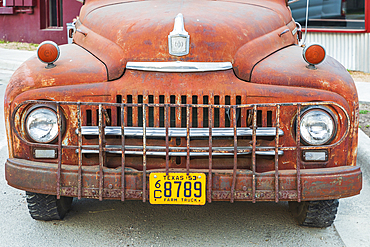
(179,132)
(179,66)
(203,151)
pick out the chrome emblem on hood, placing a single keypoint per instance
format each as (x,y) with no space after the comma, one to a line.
(178,40)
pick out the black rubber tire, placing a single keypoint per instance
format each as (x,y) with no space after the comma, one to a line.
(48,207)
(315,213)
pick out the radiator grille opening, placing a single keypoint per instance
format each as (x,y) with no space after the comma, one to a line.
(259,118)
(205,112)
(183,112)
(140,111)
(228,112)
(269,118)
(118,100)
(216,119)
(199,117)
(88,118)
(109,120)
(238,111)
(129,111)
(161,111)
(151,111)
(172,111)
(194,113)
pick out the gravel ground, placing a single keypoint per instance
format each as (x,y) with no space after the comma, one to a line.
(18,45)
(365,118)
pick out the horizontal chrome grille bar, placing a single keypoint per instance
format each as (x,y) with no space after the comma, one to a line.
(180,132)
(179,66)
(177,151)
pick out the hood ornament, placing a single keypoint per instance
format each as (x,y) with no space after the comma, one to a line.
(178,40)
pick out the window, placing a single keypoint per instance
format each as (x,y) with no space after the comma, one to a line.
(331,14)
(51,14)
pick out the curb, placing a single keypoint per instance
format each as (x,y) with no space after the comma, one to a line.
(363,155)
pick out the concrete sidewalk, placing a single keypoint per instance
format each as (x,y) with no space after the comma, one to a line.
(12,59)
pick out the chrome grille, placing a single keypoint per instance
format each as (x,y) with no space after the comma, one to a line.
(247,131)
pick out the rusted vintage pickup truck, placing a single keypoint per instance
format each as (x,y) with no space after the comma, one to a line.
(183,102)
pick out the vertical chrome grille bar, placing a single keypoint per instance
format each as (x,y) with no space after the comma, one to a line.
(222,111)
(232,102)
(79,176)
(211,100)
(200,111)
(144,152)
(243,112)
(59,150)
(189,100)
(123,155)
(135,110)
(298,136)
(156,110)
(124,101)
(146,101)
(166,121)
(210,154)
(277,154)
(101,155)
(254,140)
(94,117)
(178,112)
(235,154)
(187,139)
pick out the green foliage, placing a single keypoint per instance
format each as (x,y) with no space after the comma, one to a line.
(364,111)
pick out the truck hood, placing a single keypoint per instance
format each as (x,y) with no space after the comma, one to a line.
(120,31)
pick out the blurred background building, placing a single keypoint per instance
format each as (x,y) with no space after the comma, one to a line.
(34,21)
(341,26)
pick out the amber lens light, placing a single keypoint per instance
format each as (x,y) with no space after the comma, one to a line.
(48,52)
(314,54)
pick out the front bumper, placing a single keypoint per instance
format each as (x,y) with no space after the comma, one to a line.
(316,184)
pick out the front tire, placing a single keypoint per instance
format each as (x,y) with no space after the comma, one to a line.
(315,213)
(48,207)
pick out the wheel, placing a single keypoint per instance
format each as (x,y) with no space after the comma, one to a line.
(315,213)
(48,207)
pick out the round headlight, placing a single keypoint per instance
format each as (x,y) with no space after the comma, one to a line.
(42,125)
(317,127)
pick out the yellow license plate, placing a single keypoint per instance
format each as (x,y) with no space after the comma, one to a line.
(177,188)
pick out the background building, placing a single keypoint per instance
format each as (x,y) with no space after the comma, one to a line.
(341,26)
(34,21)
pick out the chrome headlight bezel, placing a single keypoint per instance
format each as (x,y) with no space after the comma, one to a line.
(50,110)
(327,113)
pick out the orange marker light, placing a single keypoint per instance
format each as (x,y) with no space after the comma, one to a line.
(314,54)
(48,52)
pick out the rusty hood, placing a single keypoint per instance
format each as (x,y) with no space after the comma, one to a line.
(118,32)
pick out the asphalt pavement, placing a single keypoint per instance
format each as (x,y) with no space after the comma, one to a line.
(352,222)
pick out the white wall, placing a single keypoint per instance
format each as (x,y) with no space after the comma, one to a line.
(351,49)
